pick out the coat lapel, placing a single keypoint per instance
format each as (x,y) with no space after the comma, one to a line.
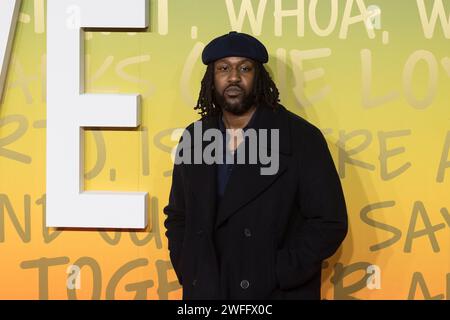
(203,182)
(246,181)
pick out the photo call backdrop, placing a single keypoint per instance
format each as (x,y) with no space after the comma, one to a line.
(374,76)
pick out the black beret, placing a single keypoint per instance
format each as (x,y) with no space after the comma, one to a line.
(235,44)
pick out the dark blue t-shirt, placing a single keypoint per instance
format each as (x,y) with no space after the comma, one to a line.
(224,170)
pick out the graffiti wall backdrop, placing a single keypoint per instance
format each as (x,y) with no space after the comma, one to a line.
(374,76)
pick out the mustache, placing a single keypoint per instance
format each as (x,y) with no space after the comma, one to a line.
(233,86)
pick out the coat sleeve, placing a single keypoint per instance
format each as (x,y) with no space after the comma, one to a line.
(175,220)
(323,220)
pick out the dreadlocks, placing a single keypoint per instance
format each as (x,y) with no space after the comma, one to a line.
(264,90)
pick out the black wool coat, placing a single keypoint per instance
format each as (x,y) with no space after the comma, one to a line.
(269,235)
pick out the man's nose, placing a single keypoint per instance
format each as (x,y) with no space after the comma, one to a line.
(234,76)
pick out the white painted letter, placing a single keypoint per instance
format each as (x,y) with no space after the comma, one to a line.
(69,110)
(280,14)
(246,9)
(9,12)
(429,24)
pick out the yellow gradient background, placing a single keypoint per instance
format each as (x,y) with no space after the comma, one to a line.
(164,67)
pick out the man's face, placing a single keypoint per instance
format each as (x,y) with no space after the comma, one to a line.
(233,84)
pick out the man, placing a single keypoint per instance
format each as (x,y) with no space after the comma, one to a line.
(233,232)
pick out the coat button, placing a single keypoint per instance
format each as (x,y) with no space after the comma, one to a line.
(200,232)
(247,232)
(194,282)
(245,284)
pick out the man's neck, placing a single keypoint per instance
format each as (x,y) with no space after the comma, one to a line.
(233,121)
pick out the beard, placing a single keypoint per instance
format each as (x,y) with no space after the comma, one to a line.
(236,105)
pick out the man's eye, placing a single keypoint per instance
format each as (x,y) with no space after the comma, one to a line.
(245,68)
(223,68)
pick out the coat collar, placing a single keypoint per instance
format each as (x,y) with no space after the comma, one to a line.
(245,182)
(264,118)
